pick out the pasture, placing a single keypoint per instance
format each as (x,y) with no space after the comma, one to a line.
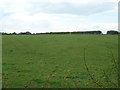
(59,61)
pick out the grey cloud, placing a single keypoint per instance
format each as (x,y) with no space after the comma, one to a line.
(37,6)
(5,14)
(13,24)
(69,8)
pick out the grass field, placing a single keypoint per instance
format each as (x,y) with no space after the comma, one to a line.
(58,61)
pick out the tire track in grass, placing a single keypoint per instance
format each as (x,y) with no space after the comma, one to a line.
(16,46)
(25,45)
(13,43)
(17,43)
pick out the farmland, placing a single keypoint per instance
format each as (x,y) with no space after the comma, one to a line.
(59,61)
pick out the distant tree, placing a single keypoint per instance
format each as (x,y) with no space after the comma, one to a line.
(14,33)
(75,32)
(33,33)
(4,33)
(112,32)
(21,33)
(87,32)
(28,33)
(25,33)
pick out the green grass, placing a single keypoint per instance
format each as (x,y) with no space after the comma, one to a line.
(57,61)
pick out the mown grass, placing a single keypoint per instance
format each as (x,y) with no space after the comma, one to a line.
(57,61)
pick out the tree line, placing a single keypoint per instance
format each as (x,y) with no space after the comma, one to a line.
(111,32)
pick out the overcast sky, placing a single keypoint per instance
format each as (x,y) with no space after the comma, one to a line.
(58,15)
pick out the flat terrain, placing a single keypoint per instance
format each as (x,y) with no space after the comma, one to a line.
(58,61)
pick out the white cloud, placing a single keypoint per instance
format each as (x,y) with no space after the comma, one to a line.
(55,15)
